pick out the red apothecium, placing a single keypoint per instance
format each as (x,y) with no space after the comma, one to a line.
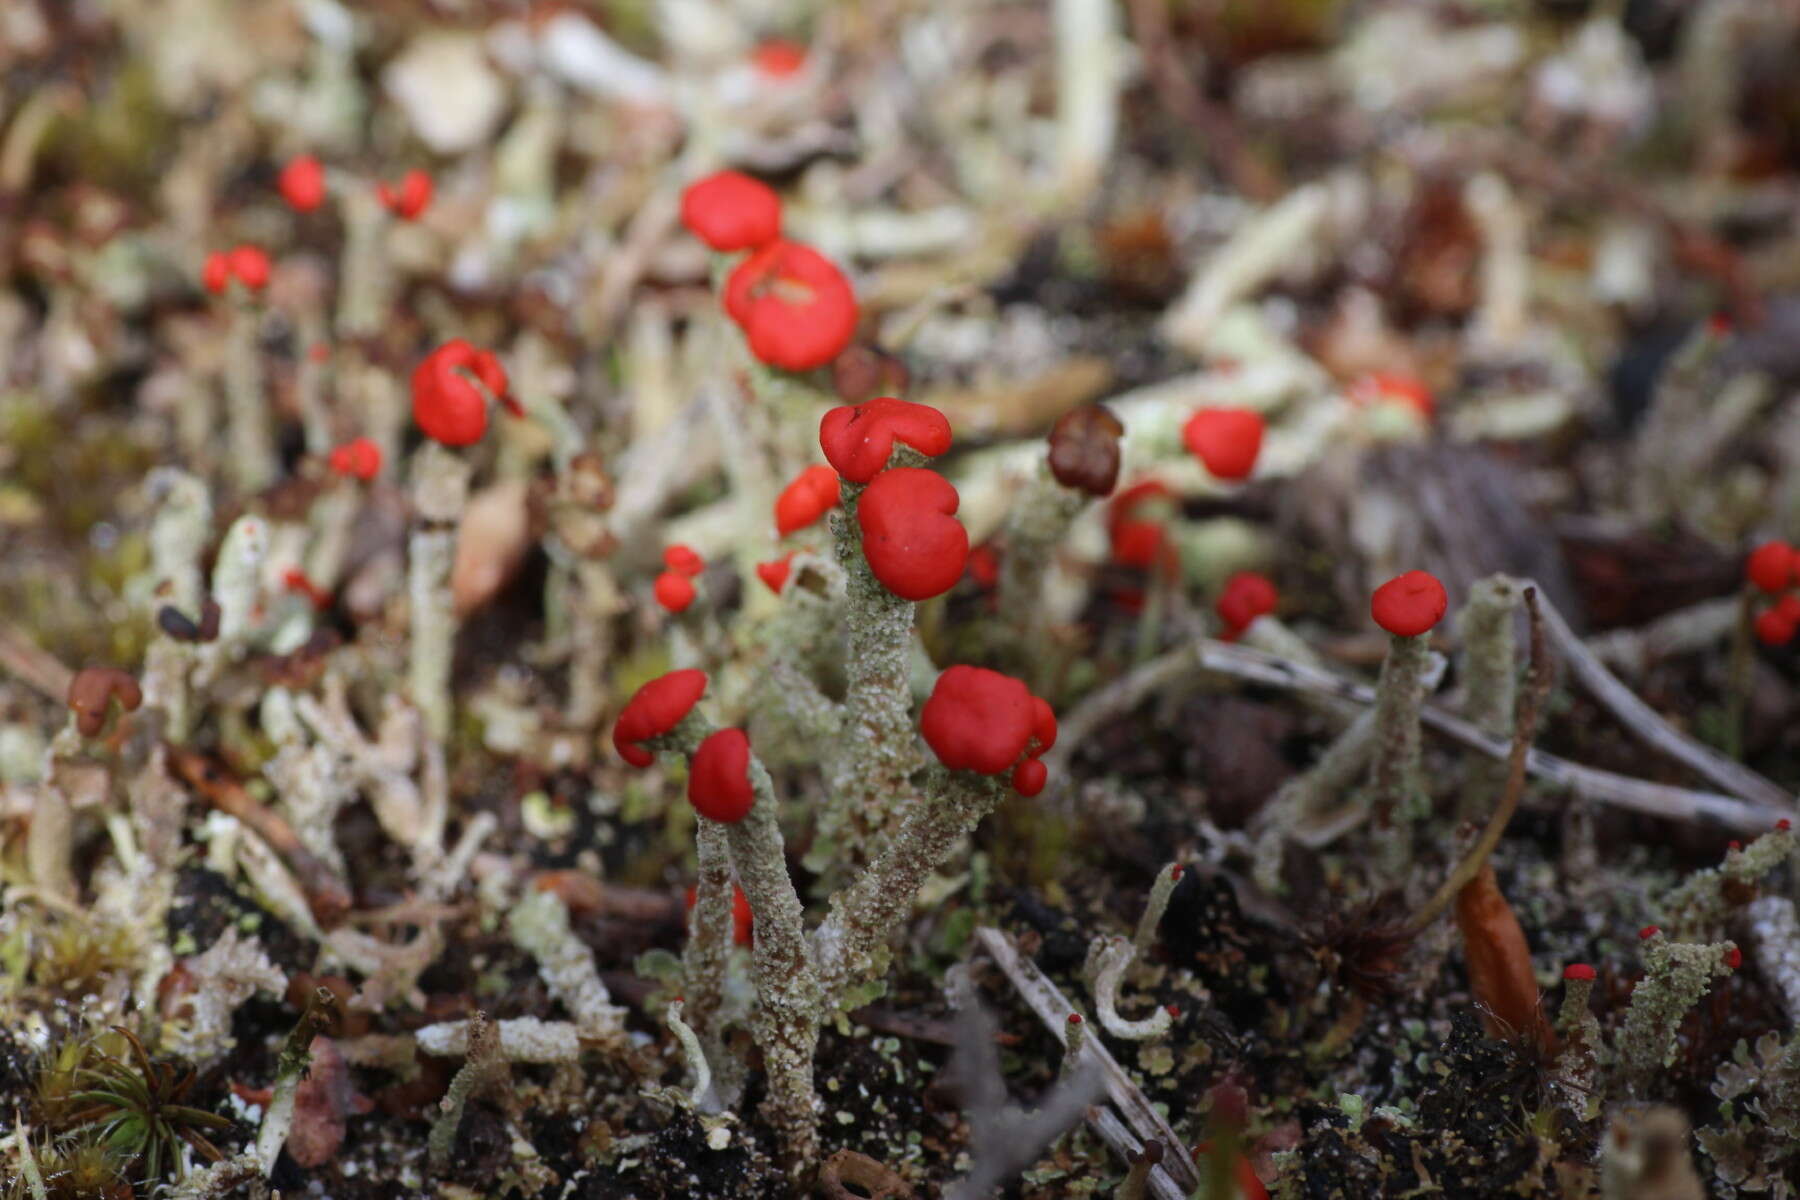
(795,307)
(654,710)
(915,545)
(728,211)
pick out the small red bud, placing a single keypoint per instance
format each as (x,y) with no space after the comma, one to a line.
(674,592)
(1578,971)
(1734,958)
(683,561)
(1648,932)
(410,199)
(302,183)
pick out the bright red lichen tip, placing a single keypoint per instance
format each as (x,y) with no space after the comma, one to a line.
(1772,567)
(813,492)
(251,266)
(1578,971)
(1648,932)
(980,720)
(1393,387)
(779,58)
(674,591)
(719,777)
(447,392)
(1734,958)
(910,535)
(796,308)
(1774,627)
(729,211)
(1410,604)
(1247,596)
(358,458)
(1783,825)
(302,183)
(1225,440)
(683,560)
(410,199)
(774,573)
(858,439)
(655,709)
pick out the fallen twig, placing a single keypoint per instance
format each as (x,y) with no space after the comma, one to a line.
(1177,1176)
(1654,799)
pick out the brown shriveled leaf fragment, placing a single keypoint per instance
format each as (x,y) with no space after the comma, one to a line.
(491,541)
(92,691)
(1499,962)
(1084,449)
(321,1103)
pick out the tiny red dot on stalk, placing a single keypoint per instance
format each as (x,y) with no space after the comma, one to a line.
(728,210)
(1734,958)
(810,495)
(674,591)
(1175,872)
(410,199)
(719,777)
(655,709)
(1227,441)
(774,573)
(1410,604)
(302,183)
(1734,844)
(1648,932)
(1174,1011)
(1783,825)
(1074,1018)
(1578,972)
(682,560)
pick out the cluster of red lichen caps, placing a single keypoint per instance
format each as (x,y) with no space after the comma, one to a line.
(795,306)
(447,404)
(911,538)
(980,720)
(1773,568)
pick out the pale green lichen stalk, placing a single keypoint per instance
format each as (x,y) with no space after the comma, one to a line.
(1676,976)
(1400,797)
(440,486)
